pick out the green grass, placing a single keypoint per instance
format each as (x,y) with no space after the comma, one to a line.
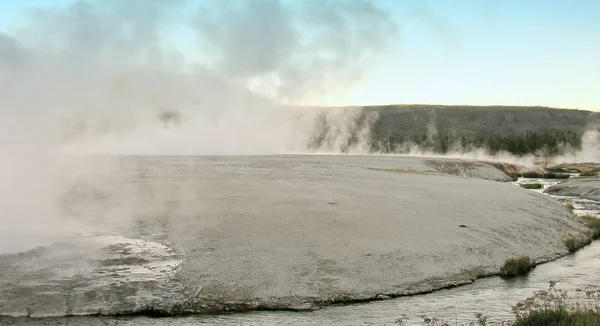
(516,266)
(513,176)
(574,243)
(548,175)
(593,223)
(569,205)
(557,170)
(551,307)
(556,176)
(591,173)
(560,318)
(531,185)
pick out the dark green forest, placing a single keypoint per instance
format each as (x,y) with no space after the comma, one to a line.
(443,129)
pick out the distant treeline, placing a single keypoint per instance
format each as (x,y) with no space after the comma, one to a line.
(517,130)
(543,143)
(443,129)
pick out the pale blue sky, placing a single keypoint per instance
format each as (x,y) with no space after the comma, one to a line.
(513,52)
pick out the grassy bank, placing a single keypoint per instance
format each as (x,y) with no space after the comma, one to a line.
(550,307)
(594,173)
(517,266)
(548,175)
(593,223)
(573,243)
(531,185)
(584,169)
(555,307)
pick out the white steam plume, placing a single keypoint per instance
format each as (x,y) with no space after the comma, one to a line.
(162,77)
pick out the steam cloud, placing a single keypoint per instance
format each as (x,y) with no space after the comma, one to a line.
(99,75)
(172,77)
(164,77)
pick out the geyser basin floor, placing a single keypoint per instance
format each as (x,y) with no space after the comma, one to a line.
(283,232)
(89,274)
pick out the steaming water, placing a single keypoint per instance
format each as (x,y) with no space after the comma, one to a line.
(492,296)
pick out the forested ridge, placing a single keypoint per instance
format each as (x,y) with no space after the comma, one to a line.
(442,129)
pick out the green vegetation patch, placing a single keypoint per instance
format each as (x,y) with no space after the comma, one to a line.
(569,205)
(574,243)
(555,307)
(513,176)
(585,169)
(548,175)
(560,317)
(557,170)
(551,307)
(518,130)
(517,266)
(551,175)
(531,185)
(591,173)
(593,223)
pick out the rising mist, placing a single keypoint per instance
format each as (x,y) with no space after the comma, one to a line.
(164,78)
(144,77)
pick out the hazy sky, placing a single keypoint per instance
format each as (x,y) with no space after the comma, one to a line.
(511,52)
